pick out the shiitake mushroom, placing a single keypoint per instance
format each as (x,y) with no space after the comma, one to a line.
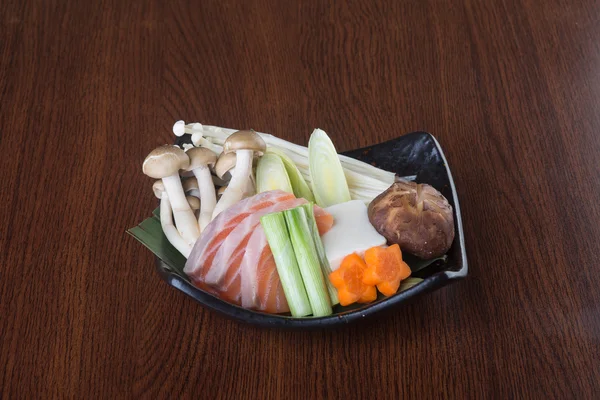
(415,216)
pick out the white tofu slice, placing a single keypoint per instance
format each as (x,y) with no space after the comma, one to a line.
(351,232)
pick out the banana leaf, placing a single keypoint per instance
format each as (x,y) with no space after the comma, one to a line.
(149,232)
(418,265)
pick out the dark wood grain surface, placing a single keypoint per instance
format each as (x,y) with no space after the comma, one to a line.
(510,88)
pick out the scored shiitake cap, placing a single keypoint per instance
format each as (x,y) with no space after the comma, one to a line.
(225,162)
(165,161)
(158,188)
(200,157)
(415,216)
(244,140)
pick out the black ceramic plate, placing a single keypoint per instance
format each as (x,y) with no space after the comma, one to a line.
(417,153)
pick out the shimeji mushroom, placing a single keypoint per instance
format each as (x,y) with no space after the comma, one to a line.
(200,160)
(190,183)
(166,220)
(164,163)
(251,186)
(219,182)
(244,144)
(180,128)
(187,146)
(201,141)
(225,166)
(221,191)
(190,187)
(194,203)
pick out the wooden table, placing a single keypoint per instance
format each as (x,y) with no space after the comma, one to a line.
(510,88)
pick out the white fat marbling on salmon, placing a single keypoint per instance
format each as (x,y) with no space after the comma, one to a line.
(233,258)
(250,267)
(209,241)
(234,243)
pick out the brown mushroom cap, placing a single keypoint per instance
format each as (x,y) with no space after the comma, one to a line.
(158,188)
(224,164)
(199,157)
(220,182)
(190,184)
(416,216)
(165,161)
(244,140)
(194,202)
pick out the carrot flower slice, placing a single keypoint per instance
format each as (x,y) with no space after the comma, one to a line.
(348,280)
(385,268)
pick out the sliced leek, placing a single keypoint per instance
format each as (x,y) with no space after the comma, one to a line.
(271,174)
(278,237)
(326,174)
(299,185)
(308,261)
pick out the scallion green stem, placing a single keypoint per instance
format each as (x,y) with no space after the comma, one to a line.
(308,261)
(278,237)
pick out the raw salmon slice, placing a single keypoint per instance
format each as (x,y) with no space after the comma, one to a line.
(260,280)
(205,248)
(324,220)
(237,239)
(232,257)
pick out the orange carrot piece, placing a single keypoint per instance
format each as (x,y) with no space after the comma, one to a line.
(385,268)
(348,280)
(369,295)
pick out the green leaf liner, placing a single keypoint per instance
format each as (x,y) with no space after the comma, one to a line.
(422,264)
(149,232)
(408,283)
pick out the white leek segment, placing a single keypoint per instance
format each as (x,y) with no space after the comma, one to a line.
(208,196)
(287,267)
(239,182)
(308,261)
(271,174)
(172,234)
(360,185)
(322,256)
(327,176)
(299,185)
(185,220)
